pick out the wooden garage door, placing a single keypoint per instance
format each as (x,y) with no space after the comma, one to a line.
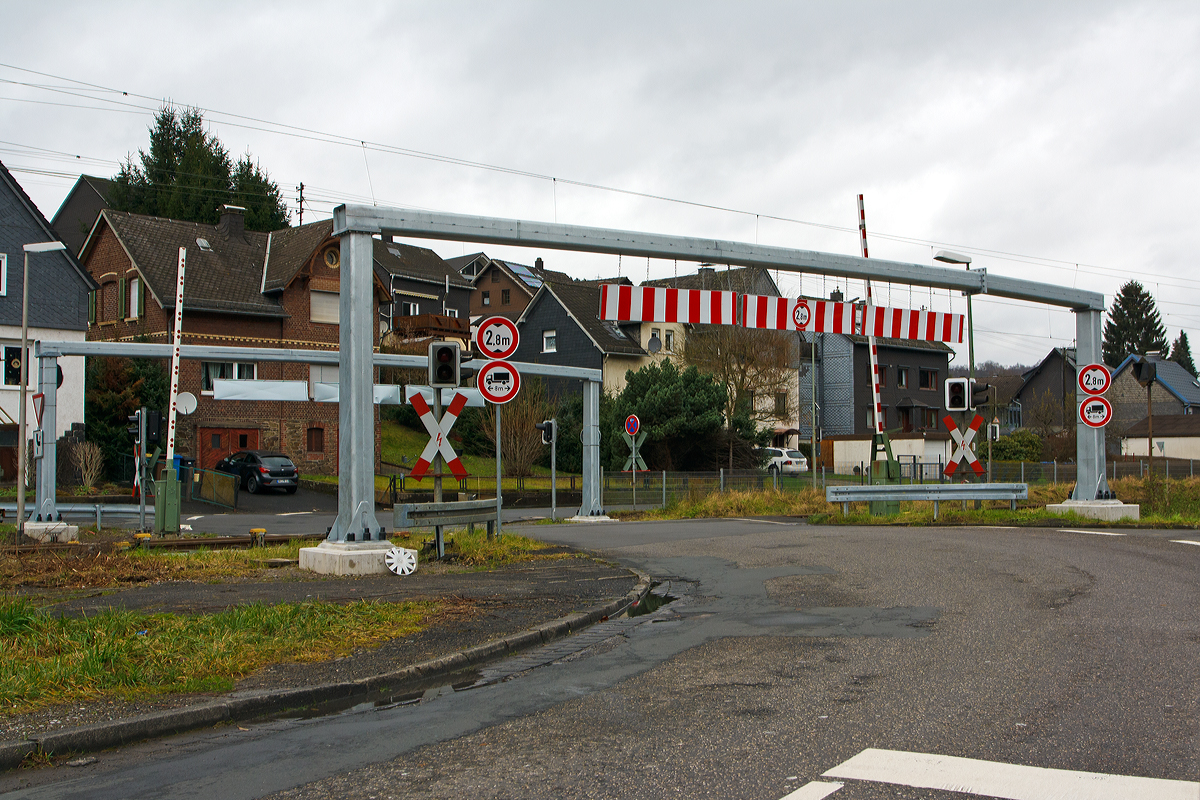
(216,443)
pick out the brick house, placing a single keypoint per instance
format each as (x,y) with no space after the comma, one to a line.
(58,306)
(504,288)
(1175,392)
(243,288)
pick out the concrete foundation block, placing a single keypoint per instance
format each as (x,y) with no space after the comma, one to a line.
(45,532)
(345,558)
(1108,510)
(600,518)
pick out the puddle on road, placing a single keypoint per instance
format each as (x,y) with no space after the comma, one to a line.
(650,603)
(384,698)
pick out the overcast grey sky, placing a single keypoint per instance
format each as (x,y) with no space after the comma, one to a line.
(1055,142)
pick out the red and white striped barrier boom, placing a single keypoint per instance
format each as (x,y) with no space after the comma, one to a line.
(827,316)
(620,303)
(871,348)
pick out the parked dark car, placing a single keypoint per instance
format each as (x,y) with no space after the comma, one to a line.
(259,470)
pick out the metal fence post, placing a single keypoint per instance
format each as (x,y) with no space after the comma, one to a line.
(664,488)
(1022,472)
(722,480)
(823,482)
(1056,471)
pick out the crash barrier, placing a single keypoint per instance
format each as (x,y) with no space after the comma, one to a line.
(937,492)
(439,515)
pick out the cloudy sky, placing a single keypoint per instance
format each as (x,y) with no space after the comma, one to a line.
(1054,142)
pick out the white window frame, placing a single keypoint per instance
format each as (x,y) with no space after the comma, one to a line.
(550,341)
(669,341)
(237,370)
(409,308)
(486,297)
(3,274)
(135,297)
(452,312)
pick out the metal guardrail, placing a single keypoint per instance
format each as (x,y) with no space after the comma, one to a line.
(937,492)
(432,515)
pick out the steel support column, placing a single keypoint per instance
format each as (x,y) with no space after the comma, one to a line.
(356,520)
(47,466)
(1090,482)
(590,506)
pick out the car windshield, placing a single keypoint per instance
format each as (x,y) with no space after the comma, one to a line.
(277,461)
(795,454)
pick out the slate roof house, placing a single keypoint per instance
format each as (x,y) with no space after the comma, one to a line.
(1175,392)
(561,325)
(1051,382)
(504,288)
(243,288)
(58,309)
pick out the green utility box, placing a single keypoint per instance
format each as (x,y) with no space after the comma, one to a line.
(166,503)
(883,472)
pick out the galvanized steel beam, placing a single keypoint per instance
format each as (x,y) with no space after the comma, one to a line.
(523,233)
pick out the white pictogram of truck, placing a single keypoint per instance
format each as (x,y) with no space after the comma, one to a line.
(498,382)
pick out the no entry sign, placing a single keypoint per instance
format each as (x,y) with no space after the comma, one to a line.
(499,382)
(1096,412)
(497,337)
(1094,379)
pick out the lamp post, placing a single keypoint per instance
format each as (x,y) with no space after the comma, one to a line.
(37,247)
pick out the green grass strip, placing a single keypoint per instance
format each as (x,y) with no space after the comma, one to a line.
(122,653)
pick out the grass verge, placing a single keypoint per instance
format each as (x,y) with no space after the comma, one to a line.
(128,654)
(1163,503)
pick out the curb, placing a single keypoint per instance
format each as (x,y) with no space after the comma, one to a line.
(243,705)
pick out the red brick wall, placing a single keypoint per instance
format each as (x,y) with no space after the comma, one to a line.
(282,426)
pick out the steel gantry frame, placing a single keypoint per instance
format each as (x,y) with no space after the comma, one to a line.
(356,225)
(359,223)
(45,506)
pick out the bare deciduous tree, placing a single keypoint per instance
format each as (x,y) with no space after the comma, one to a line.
(89,460)
(520,443)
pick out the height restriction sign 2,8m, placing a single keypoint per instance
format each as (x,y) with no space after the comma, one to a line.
(497,338)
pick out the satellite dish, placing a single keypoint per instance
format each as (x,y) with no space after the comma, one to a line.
(654,345)
(185,403)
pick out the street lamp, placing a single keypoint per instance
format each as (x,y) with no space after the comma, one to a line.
(37,247)
(946,257)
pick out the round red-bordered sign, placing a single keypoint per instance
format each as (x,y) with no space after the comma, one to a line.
(632,424)
(1094,379)
(1096,412)
(497,337)
(499,382)
(801,315)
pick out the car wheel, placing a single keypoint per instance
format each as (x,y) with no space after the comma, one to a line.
(773,469)
(290,490)
(252,484)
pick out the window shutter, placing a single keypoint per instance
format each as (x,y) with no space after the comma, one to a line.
(140,297)
(91,308)
(121,298)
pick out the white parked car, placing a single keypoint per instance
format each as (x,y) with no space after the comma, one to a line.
(785,462)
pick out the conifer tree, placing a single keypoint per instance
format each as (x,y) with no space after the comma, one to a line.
(1181,353)
(187,174)
(1134,325)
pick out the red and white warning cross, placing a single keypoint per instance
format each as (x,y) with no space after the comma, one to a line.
(439,433)
(962,445)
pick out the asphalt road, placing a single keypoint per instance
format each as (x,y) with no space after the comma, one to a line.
(798,662)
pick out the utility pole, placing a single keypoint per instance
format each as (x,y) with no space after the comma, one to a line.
(301,201)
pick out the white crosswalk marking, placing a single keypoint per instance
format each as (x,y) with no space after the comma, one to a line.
(1011,781)
(1184,541)
(815,790)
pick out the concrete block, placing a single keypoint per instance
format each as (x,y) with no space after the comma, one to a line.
(45,532)
(1108,510)
(600,518)
(345,558)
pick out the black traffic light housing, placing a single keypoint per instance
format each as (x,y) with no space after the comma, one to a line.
(445,371)
(979,394)
(957,394)
(549,430)
(154,420)
(1144,371)
(135,426)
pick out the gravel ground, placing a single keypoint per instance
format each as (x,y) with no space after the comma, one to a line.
(479,607)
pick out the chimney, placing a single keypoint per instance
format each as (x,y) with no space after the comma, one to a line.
(232,223)
(836,295)
(705,272)
(538,264)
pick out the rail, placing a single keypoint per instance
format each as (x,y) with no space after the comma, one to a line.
(937,492)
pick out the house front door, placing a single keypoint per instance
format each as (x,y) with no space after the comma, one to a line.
(216,443)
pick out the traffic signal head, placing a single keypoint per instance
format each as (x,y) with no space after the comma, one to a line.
(444,370)
(549,430)
(153,428)
(135,426)
(979,394)
(1144,371)
(957,394)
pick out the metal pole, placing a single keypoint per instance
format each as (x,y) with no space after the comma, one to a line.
(141,468)
(22,446)
(664,479)
(812,461)
(553,468)
(1150,429)
(438,461)
(498,502)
